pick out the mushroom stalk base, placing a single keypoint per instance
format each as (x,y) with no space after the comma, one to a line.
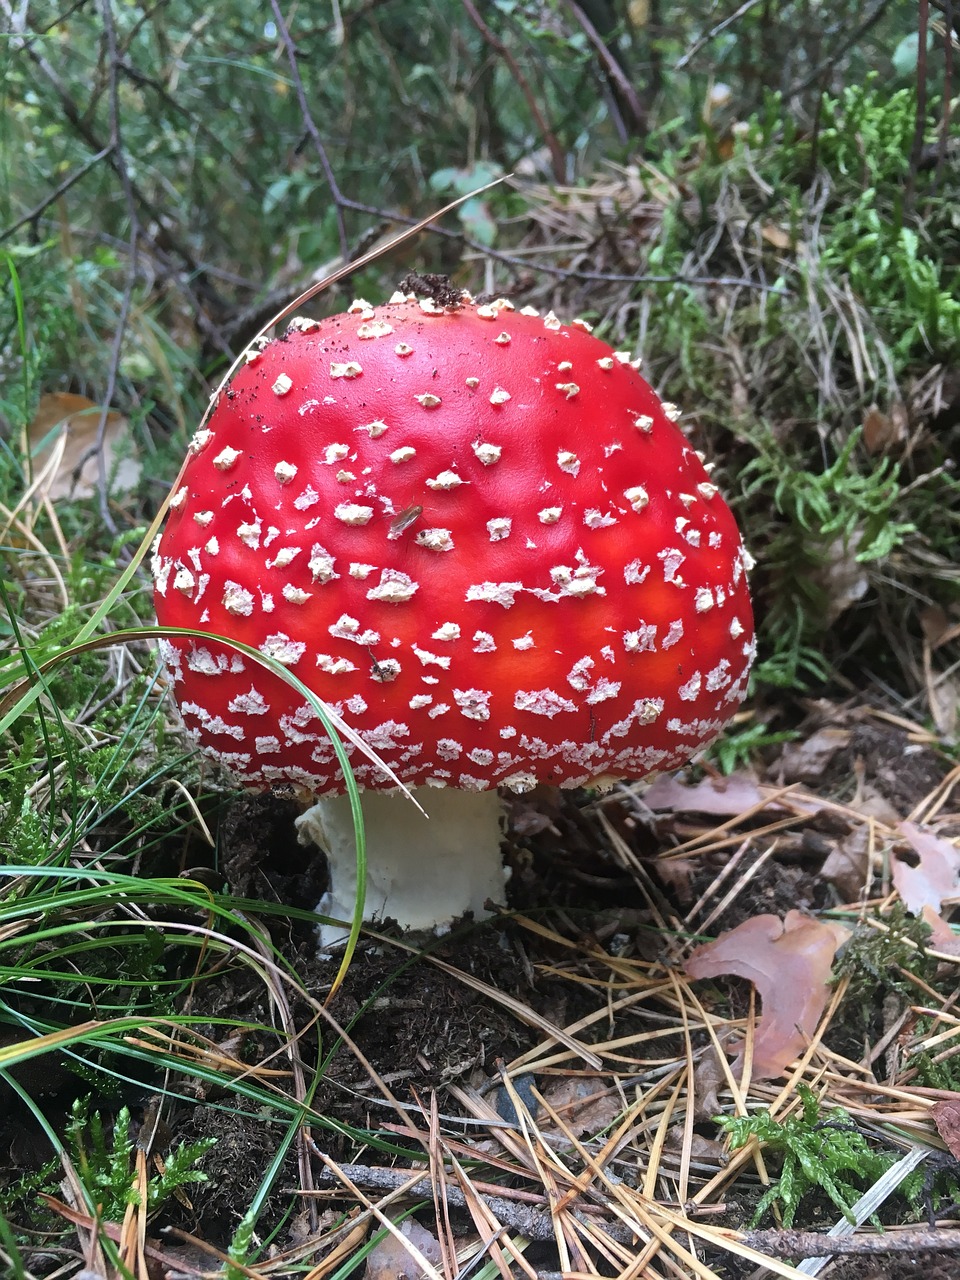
(424,872)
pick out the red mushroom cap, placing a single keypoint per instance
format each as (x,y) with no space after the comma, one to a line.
(476,533)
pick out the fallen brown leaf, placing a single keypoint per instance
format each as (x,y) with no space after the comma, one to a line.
(936,875)
(847,864)
(942,937)
(721,797)
(77,471)
(390,1259)
(946,1116)
(709,1078)
(789,963)
(935,625)
(583,1105)
(779,237)
(706,1150)
(840,575)
(881,431)
(677,876)
(806,760)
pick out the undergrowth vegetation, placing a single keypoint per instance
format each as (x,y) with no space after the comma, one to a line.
(775,230)
(802,308)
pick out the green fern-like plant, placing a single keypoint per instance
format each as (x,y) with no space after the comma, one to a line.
(838,503)
(818,1151)
(841,514)
(104,1162)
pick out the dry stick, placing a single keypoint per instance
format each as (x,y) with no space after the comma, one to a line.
(810,1244)
(532,1222)
(338,1172)
(815,1244)
(490,1230)
(558,162)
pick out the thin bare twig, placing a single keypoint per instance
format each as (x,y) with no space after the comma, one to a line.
(558,162)
(614,69)
(916,147)
(120,164)
(853,36)
(311,126)
(55,195)
(167,251)
(712,34)
(531,1221)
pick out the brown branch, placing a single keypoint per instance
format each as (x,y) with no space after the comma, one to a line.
(951,15)
(162,243)
(81,126)
(558,162)
(529,1219)
(814,1244)
(562,273)
(215,138)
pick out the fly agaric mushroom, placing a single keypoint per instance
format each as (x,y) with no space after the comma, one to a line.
(477,535)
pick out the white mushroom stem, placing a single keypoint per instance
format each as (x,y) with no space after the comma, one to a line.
(424,870)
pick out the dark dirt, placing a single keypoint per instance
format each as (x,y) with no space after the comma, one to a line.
(422,1029)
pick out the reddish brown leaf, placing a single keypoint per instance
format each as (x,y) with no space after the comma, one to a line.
(946,1116)
(936,875)
(847,864)
(392,1260)
(942,938)
(723,797)
(882,431)
(583,1105)
(789,963)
